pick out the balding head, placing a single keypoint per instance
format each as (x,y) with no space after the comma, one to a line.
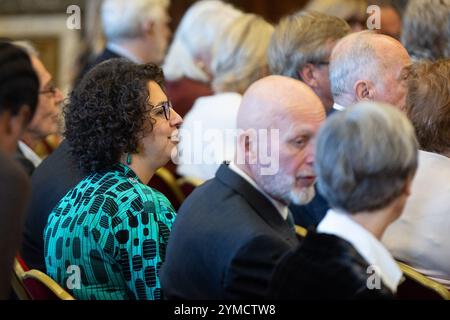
(272,98)
(368,66)
(277,122)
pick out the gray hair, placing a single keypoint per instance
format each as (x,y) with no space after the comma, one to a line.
(195,35)
(357,61)
(240,54)
(122,19)
(302,38)
(426,29)
(364,156)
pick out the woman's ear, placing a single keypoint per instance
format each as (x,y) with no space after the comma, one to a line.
(363,90)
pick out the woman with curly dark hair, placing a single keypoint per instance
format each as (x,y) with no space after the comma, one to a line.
(106,237)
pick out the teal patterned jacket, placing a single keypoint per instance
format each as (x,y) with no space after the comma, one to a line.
(106,238)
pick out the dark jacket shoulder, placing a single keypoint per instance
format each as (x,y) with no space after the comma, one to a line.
(324,267)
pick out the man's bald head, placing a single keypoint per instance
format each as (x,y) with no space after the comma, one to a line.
(377,60)
(277,122)
(274,97)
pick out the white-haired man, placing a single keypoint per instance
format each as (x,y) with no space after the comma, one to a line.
(368,66)
(137,30)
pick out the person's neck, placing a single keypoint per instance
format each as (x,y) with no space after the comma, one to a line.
(377,221)
(140,166)
(30,140)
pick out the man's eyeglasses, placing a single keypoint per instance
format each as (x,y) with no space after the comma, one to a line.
(162,108)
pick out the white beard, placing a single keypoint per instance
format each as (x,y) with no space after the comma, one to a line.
(303,196)
(283,187)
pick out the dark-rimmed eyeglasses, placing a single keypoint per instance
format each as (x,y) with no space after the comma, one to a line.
(162,108)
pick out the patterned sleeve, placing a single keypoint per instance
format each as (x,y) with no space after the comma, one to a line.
(141,240)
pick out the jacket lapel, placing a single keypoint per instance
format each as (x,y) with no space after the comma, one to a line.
(262,206)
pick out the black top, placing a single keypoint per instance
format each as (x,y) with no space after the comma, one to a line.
(324,267)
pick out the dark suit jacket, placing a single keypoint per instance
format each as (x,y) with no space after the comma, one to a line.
(324,267)
(225,242)
(26,164)
(105,55)
(51,180)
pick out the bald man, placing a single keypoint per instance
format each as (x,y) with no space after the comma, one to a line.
(368,66)
(231,231)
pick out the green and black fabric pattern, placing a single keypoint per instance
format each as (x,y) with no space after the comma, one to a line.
(115,230)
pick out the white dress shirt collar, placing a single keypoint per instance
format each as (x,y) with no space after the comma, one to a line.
(29,154)
(281,207)
(341,225)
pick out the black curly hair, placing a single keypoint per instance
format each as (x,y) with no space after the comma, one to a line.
(107,110)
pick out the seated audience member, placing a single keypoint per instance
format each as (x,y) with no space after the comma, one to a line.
(420,237)
(426,29)
(300,48)
(19,87)
(352,11)
(46,119)
(366,157)
(137,30)
(368,66)
(187,66)
(208,132)
(236,226)
(120,128)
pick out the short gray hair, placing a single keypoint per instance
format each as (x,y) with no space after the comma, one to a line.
(122,19)
(302,38)
(356,62)
(240,54)
(195,35)
(426,29)
(364,156)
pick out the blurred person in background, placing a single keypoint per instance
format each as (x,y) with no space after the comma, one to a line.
(420,237)
(137,30)
(368,66)
(208,131)
(352,11)
(46,120)
(19,86)
(426,29)
(187,66)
